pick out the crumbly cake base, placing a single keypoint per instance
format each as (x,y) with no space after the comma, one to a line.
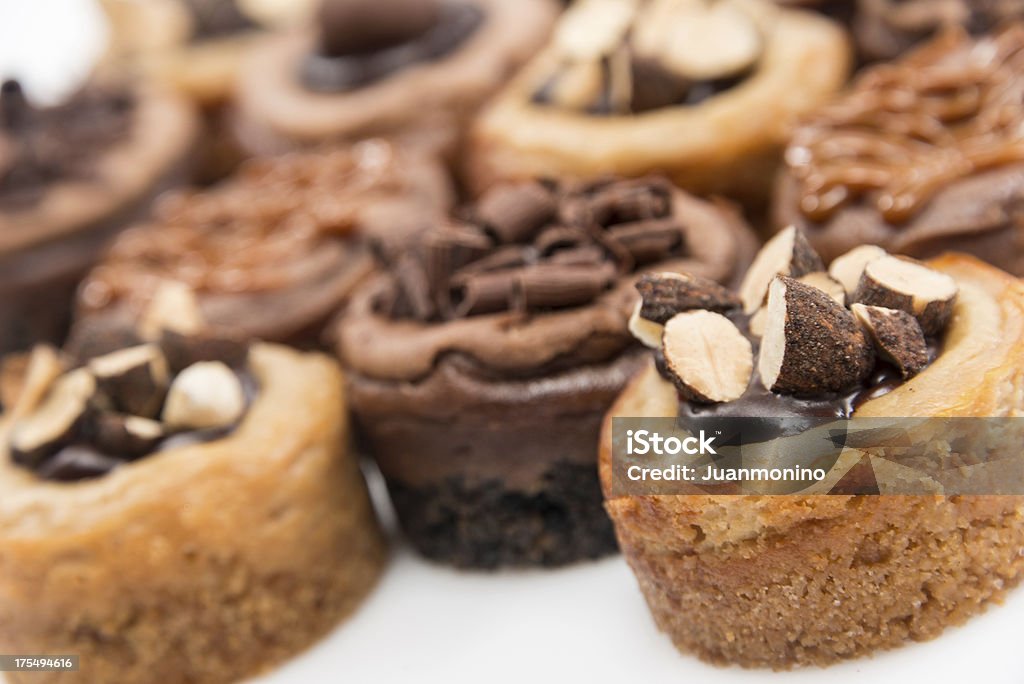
(784,581)
(200,565)
(490,525)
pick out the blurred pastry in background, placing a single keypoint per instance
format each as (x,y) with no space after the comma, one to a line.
(71,176)
(884,29)
(703,91)
(481,362)
(196,46)
(273,251)
(922,156)
(180,508)
(417,68)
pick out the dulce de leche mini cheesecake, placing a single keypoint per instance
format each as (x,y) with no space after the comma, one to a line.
(702,91)
(272,252)
(71,176)
(821,575)
(481,362)
(179,508)
(921,156)
(416,68)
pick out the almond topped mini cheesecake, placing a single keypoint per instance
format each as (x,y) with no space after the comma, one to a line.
(180,507)
(481,362)
(922,155)
(702,91)
(836,568)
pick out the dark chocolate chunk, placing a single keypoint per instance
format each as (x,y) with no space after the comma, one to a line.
(134,380)
(182,351)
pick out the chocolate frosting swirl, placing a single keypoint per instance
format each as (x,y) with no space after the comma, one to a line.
(40,146)
(949,110)
(533,278)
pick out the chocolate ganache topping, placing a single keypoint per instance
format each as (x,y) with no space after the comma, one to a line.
(948,110)
(795,341)
(40,146)
(363,41)
(616,57)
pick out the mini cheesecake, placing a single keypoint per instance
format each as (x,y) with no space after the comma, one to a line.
(921,156)
(272,252)
(71,176)
(481,361)
(180,507)
(417,69)
(842,566)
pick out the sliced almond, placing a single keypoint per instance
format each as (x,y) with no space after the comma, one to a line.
(824,282)
(648,332)
(204,395)
(135,379)
(174,307)
(788,253)
(908,285)
(707,357)
(23,394)
(712,40)
(811,344)
(591,29)
(666,294)
(897,336)
(578,85)
(55,421)
(755,324)
(848,268)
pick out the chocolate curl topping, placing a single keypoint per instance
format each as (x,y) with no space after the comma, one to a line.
(552,286)
(514,213)
(531,246)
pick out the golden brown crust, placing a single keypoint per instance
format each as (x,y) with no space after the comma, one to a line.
(727,144)
(200,564)
(783,581)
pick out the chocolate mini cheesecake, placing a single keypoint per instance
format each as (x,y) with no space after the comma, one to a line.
(922,156)
(272,252)
(885,29)
(71,176)
(835,568)
(702,91)
(481,362)
(411,68)
(174,491)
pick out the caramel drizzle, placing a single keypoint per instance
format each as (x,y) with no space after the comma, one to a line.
(948,110)
(265,229)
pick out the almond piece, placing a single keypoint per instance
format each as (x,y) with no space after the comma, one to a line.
(827,284)
(811,344)
(848,268)
(755,324)
(55,421)
(648,332)
(712,40)
(788,253)
(908,285)
(42,368)
(592,29)
(707,357)
(666,294)
(897,336)
(204,395)
(135,379)
(174,307)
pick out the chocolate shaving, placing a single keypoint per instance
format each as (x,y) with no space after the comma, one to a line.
(482,293)
(514,213)
(648,240)
(414,288)
(550,286)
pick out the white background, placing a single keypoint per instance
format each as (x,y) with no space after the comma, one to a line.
(588,623)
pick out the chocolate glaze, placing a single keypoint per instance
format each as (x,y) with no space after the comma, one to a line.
(327,73)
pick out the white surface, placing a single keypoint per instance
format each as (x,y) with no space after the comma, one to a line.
(587,623)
